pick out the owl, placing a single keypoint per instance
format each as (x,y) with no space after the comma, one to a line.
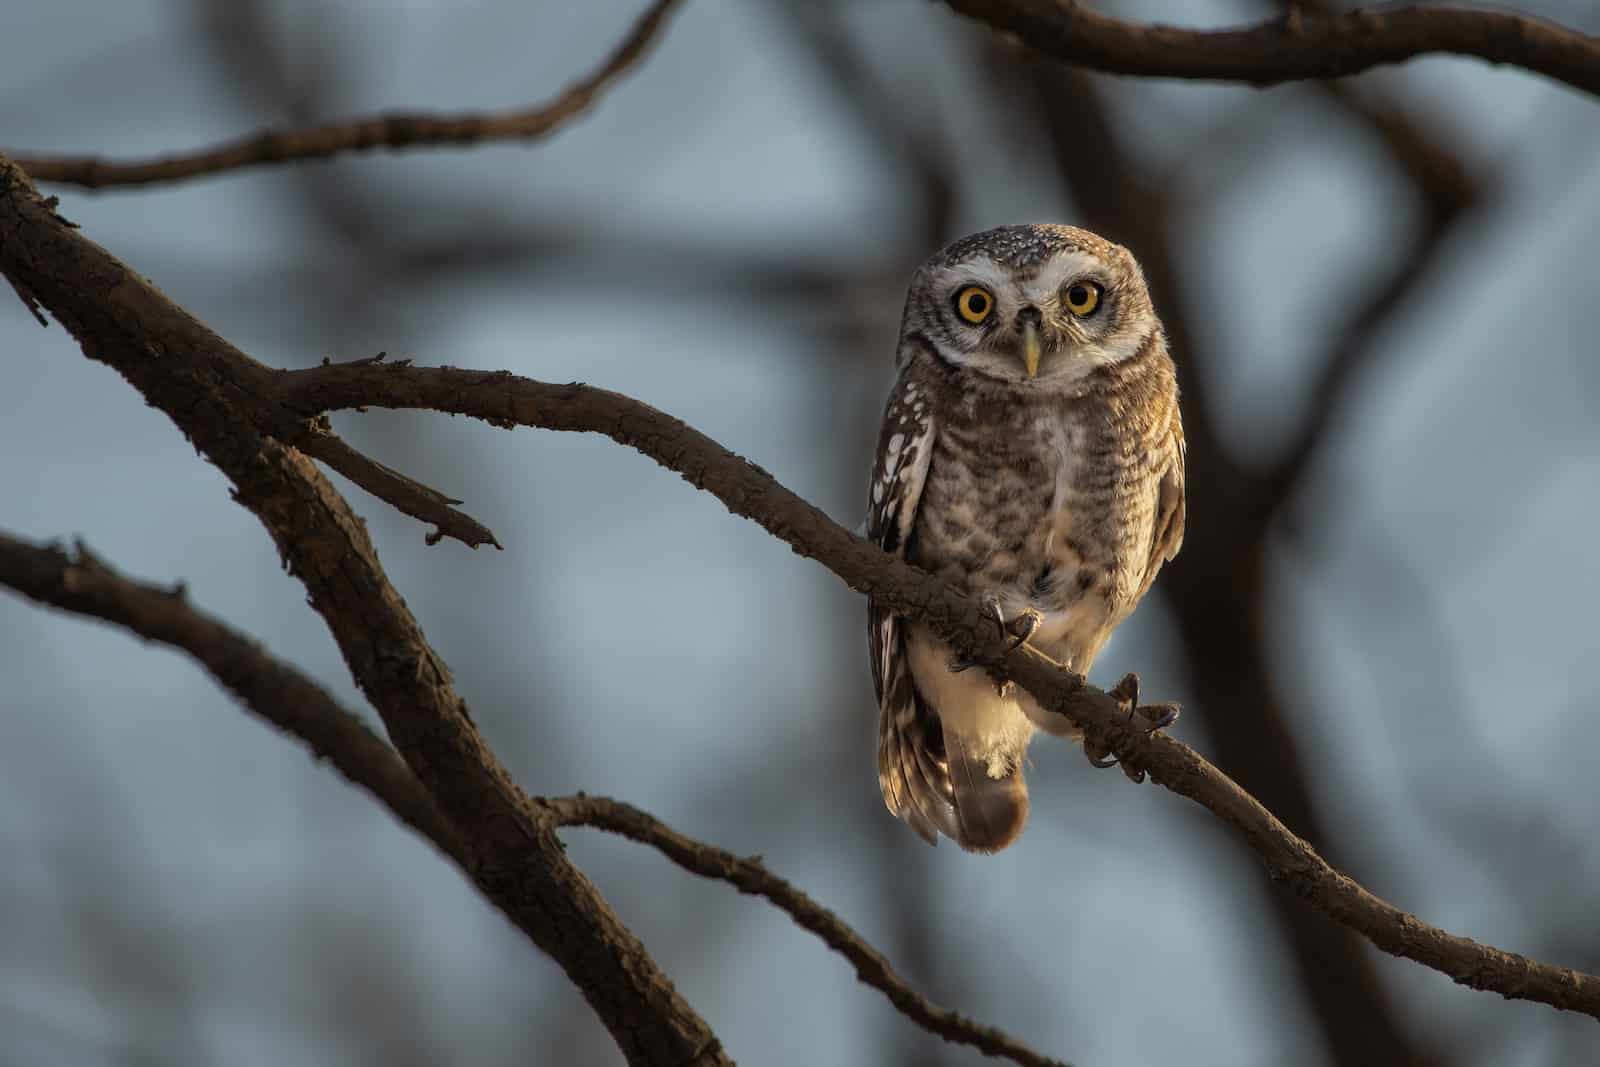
(1032,456)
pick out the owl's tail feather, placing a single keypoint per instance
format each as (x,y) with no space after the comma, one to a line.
(911,765)
(990,812)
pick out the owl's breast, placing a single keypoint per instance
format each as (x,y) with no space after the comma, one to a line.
(986,505)
(1053,512)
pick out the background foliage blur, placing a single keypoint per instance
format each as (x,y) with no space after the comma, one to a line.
(1388,635)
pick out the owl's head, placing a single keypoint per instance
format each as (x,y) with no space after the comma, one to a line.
(1041,304)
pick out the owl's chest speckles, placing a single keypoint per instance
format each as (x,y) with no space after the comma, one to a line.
(1050,505)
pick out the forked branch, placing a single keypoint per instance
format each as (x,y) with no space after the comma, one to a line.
(501,398)
(282,696)
(219,398)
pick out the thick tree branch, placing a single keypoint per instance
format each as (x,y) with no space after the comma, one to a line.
(501,399)
(214,394)
(392,131)
(277,693)
(271,689)
(1294,47)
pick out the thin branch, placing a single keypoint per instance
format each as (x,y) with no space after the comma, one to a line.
(751,876)
(406,494)
(269,688)
(392,131)
(1294,47)
(279,694)
(501,398)
(217,395)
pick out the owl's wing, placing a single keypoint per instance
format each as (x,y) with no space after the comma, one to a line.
(912,770)
(1170,510)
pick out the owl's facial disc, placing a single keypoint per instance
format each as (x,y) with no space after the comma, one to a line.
(1046,324)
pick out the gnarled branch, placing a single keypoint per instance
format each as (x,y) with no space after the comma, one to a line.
(501,398)
(392,131)
(215,394)
(1293,47)
(279,694)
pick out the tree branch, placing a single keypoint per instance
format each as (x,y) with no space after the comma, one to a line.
(501,398)
(407,495)
(269,688)
(392,131)
(279,694)
(216,394)
(751,876)
(1293,47)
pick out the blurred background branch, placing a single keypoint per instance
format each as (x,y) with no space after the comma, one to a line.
(391,131)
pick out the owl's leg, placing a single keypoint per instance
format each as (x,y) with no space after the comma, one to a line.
(1156,716)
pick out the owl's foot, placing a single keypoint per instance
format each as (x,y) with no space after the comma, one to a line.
(1019,628)
(1154,717)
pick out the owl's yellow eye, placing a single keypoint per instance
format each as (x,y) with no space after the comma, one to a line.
(1081,298)
(974,304)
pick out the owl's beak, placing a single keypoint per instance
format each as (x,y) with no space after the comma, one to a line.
(1032,346)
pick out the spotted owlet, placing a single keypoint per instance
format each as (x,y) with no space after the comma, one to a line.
(1031,456)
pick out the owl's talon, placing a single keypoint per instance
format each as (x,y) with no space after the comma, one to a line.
(1099,759)
(1155,716)
(1019,627)
(1022,627)
(1158,716)
(1152,717)
(990,603)
(1126,693)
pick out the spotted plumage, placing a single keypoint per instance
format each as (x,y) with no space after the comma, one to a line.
(1032,453)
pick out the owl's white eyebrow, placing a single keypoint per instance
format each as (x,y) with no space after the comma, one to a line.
(1002,281)
(984,272)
